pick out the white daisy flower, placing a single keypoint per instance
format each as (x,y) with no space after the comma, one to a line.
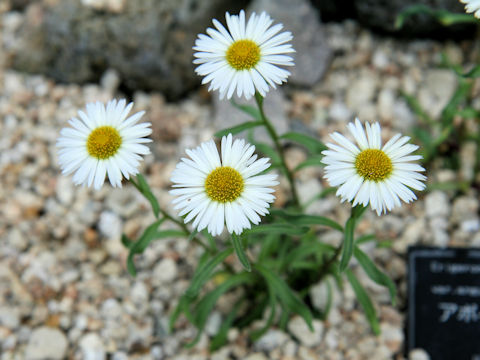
(217,189)
(472,6)
(103,142)
(370,173)
(245,56)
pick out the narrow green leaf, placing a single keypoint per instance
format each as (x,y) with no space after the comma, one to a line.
(220,338)
(257,334)
(307,249)
(313,145)
(444,17)
(148,235)
(364,239)
(468,112)
(126,241)
(269,245)
(283,229)
(374,273)
(183,303)
(328,305)
(206,304)
(131,265)
(268,151)
(248,109)
(193,234)
(459,96)
(170,234)
(306,220)
(473,73)
(145,190)
(286,296)
(210,239)
(347,247)
(242,257)
(203,272)
(365,301)
(417,108)
(238,128)
(140,245)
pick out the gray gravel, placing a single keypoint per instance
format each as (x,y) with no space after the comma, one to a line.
(64,288)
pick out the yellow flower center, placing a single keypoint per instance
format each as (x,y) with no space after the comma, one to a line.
(373,164)
(224,184)
(103,142)
(243,54)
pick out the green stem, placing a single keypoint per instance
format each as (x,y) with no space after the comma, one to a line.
(169,217)
(346,247)
(274,136)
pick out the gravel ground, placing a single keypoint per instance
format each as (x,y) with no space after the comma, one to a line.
(64,288)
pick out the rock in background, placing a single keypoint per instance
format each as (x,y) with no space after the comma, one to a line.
(312,56)
(380,15)
(148,42)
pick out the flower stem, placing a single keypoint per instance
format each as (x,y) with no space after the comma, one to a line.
(274,136)
(145,190)
(345,248)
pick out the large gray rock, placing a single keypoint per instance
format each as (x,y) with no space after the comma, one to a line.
(148,42)
(312,56)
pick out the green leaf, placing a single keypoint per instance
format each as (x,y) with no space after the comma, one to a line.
(364,300)
(314,160)
(242,257)
(306,220)
(444,17)
(468,113)
(257,334)
(268,151)
(282,229)
(126,241)
(220,338)
(145,190)
(347,247)
(285,295)
(328,305)
(210,239)
(374,273)
(459,96)
(238,128)
(313,145)
(204,271)
(192,234)
(473,73)
(248,109)
(306,249)
(364,239)
(414,104)
(140,245)
(269,245)
(206,304)
(183,304)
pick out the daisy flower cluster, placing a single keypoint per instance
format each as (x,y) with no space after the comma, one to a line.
(244,57)
(368,173)
(215,188)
